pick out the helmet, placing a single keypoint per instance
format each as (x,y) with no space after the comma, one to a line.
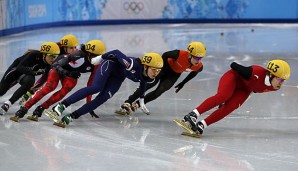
(96,47)
(279,68)
(69,41)
(50,48)
(153,60)
(197,49)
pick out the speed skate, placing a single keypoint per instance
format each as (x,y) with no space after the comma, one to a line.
(15,118)
(190,132)
(33,118)
(122,112)
(60,124)
(51,115)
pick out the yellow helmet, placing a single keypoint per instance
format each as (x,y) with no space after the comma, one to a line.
(197,49)
(96,47)
(279,68)
(50,48)
(153,60)
(69,41)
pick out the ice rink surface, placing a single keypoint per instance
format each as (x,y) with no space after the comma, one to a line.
(260,135)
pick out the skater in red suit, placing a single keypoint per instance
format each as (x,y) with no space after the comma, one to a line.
(234,88)
(68,44)
(67,70)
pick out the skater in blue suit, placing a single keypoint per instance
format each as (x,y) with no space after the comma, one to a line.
(114,68)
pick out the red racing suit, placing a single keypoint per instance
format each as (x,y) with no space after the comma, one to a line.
(234,88)
(66,69)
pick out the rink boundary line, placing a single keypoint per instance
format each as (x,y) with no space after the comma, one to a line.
(267,118)
(291,86)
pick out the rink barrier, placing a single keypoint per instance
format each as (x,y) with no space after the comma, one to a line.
(15,30)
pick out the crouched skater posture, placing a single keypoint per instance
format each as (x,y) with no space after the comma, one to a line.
(24,70)
(175,63)
(114,68)
(234,88)
(67,45)
(67,69)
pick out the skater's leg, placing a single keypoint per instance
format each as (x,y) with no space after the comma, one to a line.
(51,84)
(232,104)
(226,88)
(112,86)
(68,84)
(9,80)
(164,85)
(225,91)
(26,83)
(100,78)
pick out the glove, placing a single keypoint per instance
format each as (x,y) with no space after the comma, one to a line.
(39,72)
(135,105)
(74,74)
(96,60)
(143,107)
(179,87)
(92,113)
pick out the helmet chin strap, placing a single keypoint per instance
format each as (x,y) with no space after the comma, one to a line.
(44,58)
(65,49)
(271,76)
(146,71)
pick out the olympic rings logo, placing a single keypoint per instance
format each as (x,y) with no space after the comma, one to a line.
(135,41)
(133,7)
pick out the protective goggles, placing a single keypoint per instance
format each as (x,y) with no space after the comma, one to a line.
(155,69)
(280,80)
(52,55)
(197,57)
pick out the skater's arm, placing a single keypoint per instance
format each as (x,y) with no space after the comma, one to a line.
(64,60)
(174,54)
(27,61)
(40,82)
(190,76)
(245,72)
(58,66)
(142,89)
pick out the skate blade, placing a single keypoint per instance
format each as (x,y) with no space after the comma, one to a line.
(121,113)
(60,124)
(183,125)
(14,118)
(2,112)
(196,135)
(32,118)
(21,102)
(51,115)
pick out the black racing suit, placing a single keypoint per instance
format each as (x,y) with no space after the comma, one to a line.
(23,71)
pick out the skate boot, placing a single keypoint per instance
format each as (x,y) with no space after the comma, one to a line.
(65,120)
(19,114)
(200,127)
(188,123)
(36,114)
(125,109)
(56,111)
(25,97)
(191,119)
(4,108)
